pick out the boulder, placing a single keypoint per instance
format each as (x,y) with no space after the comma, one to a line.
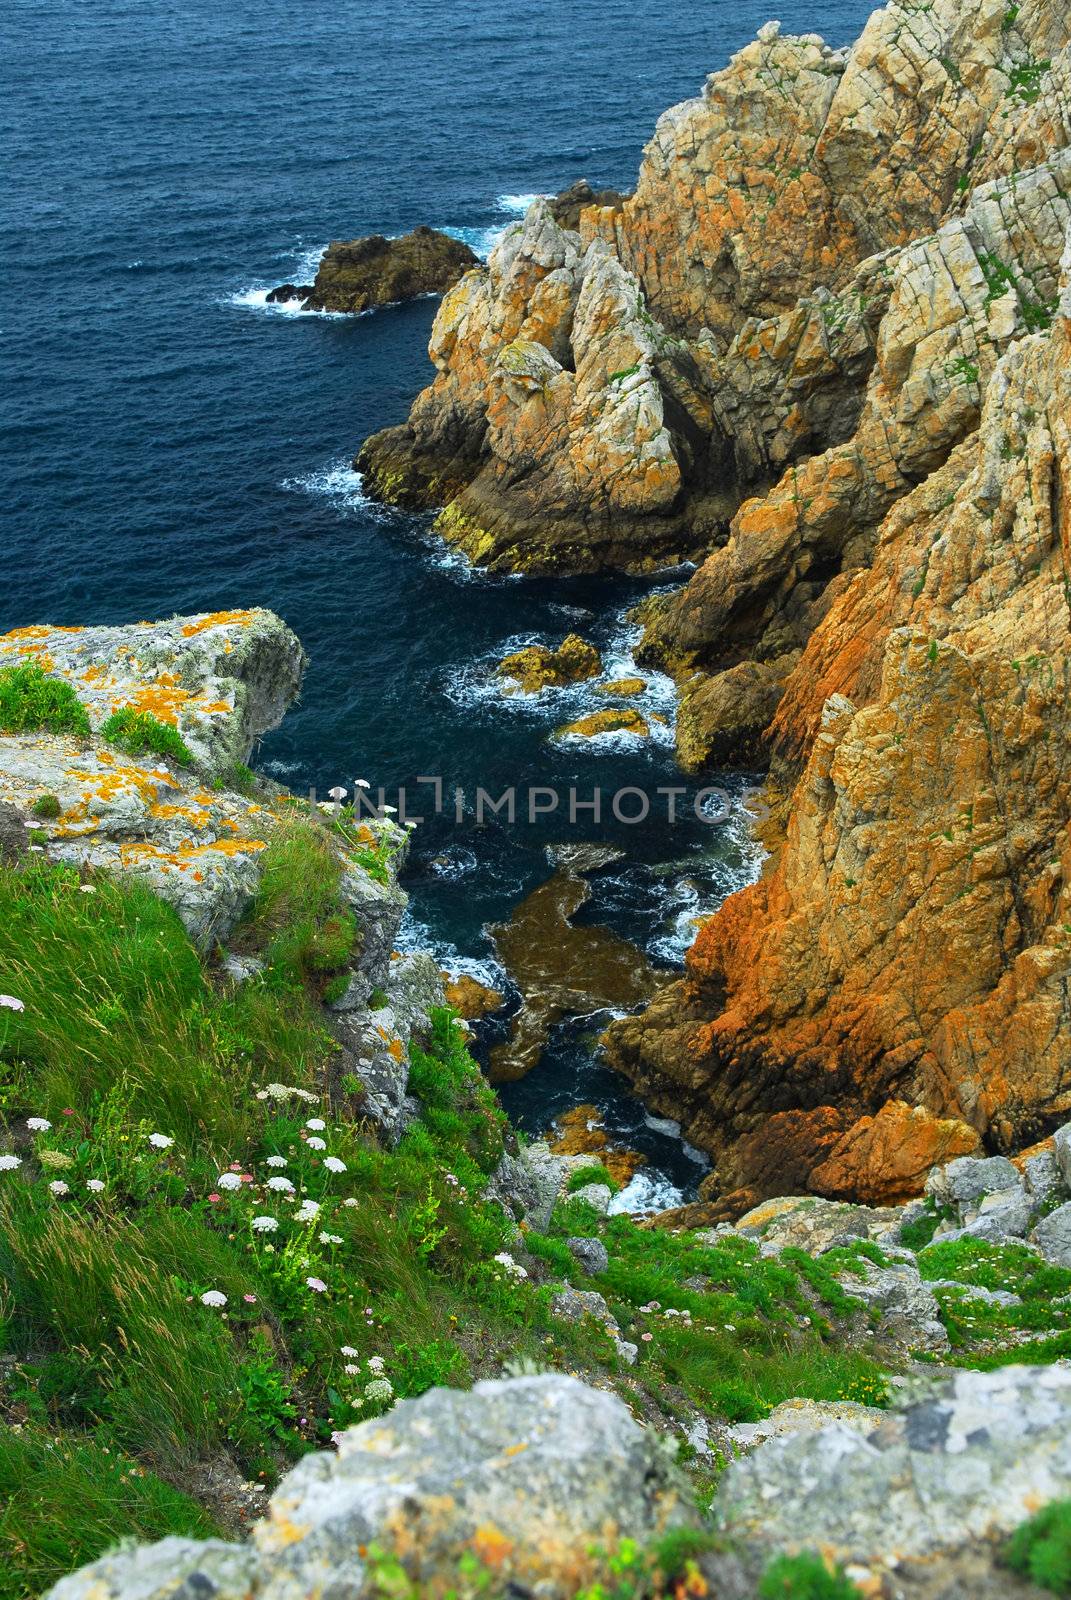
(526,1476)
(961,1465)
(539,666)
(1061,1145)
(971,1178)
(598,1195)
(618,719)
(591,1254)
(374,271)
(1053,1235)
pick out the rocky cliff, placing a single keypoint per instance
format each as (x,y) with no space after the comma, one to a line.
(608,393)
(909,946)
(821,350)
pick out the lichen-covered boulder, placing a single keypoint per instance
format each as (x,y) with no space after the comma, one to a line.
(359,274)
(183,825)
(965,1463)
(528,1477)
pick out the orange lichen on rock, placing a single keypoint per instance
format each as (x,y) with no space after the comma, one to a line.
(217,619)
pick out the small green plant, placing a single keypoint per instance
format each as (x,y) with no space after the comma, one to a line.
(1009,19)
(140,733)
(47,807)
(1024,83)
(594,1173)
(1040,1549)
(805,1577)
(30,701)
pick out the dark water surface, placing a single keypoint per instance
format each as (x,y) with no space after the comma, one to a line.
(172,445)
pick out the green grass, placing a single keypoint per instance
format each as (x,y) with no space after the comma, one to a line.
(1040,1549)
(47,807)
(804,1577)
(30,701)
(65,1500)
(972,1321)
(594,1173)
(125,1035)
(139,733)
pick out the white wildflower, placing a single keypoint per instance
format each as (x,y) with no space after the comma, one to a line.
(349,1201)
(380,1390)
(94,1185)
(316,1284)
(9,1163)
(213,1297)
(58,1186)
(512,1268)
(333,1164)
(377,1365)
(307,1211)
(9,1003)
(280,1185)
(86,888)
(275,1161)
(264,1224)
(347,1350)
(228,1180)
(317,1124)
(160,1141)
(330,1238)
(316,1144)
(38,1124)
(352,1368)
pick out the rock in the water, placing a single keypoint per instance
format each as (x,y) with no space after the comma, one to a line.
(619,719)
(364,273)
(529,1475)
(470,998)
(538,666)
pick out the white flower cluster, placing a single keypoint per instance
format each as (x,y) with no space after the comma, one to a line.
(511,1268)
(284,1091)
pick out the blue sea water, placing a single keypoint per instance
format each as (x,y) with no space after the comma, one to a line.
(170,444)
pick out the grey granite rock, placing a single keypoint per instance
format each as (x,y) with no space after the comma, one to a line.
(1053,1234)
(969,1461)
(966,1180)
(592,1255)
(539,1470)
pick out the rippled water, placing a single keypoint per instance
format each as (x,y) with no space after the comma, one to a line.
(171,444)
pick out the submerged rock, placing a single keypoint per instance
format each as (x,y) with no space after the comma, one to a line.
(561,969)
(374,271)
(470,998)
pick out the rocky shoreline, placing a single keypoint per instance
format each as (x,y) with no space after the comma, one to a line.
(834,377)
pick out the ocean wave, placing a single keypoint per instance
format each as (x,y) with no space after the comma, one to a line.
(416,937)
(342,485)
(649,1190)
(517,204)
(296,266)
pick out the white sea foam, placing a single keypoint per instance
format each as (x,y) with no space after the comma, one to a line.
(649,1190)
(282,769)
(517,204)
(296,266)
(415,937)
(342,484)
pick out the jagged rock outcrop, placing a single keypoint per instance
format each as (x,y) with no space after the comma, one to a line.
(607,392)
(539,666)
(924,1502)
(524,1478)
(220,680)
(910,943)
(361,274)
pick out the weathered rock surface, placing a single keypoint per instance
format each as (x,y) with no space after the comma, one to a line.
(625,372)
(908,945)
(526,1476)
(539,666)
(955,1470)
(221,681)
(361,274)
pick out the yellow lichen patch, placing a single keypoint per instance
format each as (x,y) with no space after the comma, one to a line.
(164,700)
(396,1049)
(491,1545)
(95,674)
(37,631)
(217,619)
(197,816)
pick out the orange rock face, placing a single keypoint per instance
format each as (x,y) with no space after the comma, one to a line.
(911,946)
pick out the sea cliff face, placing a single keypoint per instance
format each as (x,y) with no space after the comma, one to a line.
(823,348)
